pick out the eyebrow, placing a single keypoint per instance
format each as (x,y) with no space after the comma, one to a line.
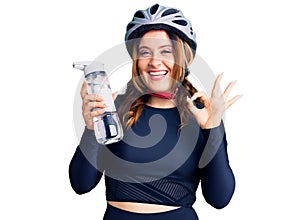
(162,46)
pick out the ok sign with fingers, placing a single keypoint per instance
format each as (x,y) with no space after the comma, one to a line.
(210,115)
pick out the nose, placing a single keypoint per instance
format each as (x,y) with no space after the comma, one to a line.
(155,61)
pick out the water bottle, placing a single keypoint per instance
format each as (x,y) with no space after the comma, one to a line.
(107,126)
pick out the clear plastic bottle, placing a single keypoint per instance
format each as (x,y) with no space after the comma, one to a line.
(107,126)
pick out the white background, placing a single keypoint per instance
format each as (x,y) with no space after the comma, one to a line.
(255,42)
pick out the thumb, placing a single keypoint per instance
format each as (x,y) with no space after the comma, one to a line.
(114,95)
(191,105)
(83,90)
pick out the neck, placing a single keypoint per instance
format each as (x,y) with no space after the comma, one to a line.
(161,102)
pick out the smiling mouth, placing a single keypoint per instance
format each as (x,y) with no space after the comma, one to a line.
(157,75)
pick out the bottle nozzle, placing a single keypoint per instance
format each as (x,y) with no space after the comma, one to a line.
(89,66)
(81,65)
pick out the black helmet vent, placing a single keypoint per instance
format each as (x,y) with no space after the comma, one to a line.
(154,8)
(169,12)
(180,22)
(139,14)
(129,26)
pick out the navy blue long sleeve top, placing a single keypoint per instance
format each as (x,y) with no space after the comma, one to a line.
(157,162)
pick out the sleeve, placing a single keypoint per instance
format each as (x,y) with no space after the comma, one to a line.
(83,172)
(217,178)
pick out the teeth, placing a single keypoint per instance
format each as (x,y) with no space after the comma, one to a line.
(158,73)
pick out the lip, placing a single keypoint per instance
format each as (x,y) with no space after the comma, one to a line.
(157,74)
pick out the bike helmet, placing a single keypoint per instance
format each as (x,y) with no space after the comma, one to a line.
(158,17)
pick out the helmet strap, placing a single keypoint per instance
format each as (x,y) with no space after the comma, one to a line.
(163,95)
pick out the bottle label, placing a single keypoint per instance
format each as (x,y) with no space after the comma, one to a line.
(106,95)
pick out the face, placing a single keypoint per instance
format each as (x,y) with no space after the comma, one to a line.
(156,61)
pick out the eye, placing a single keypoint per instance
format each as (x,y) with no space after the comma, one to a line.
(166,52)
(144,53)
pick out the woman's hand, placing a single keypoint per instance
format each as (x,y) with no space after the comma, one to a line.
(210,115)
(89,103)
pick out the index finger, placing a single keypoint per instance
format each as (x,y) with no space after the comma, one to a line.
(202,96)
(216,91)
(83,91)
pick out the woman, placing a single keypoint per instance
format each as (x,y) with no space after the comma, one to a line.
(174,136)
